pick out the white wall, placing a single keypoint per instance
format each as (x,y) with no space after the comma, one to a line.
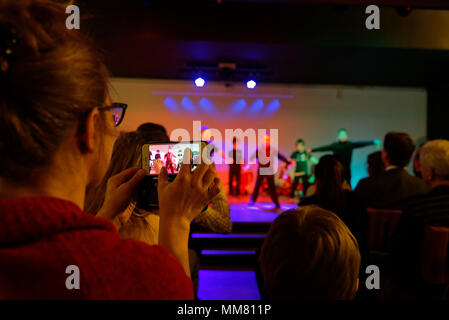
(313,113)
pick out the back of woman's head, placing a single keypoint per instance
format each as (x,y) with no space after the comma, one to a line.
(153,132)
(376,166)
(329,176)
(126,153)
(310,253)
(50,79)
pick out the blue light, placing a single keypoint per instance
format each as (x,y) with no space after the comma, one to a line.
(238,106)
(200,82)
(207,105)
(225,252)
(188,105)
(171,104)
(256,107)
(273,107)
(251,84)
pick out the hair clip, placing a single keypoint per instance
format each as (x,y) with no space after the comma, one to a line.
(8,41)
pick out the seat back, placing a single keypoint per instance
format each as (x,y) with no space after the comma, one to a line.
(434,262)
(382,223)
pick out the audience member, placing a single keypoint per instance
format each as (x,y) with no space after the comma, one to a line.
(417,164)
(133,223)
(142,225)
(375,164)
(309,253)
(391,189)
(332,195)
(57,128)
(430,209)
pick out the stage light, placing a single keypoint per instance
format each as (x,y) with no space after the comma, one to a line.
(251,84)
(200,82)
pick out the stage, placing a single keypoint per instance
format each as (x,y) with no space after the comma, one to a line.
(227,261)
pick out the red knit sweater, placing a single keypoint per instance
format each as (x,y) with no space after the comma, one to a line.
(40,237)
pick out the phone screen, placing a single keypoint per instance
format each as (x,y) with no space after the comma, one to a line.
(169,155)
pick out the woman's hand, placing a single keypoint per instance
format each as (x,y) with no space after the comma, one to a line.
(157,165)
(119,195)
(184,198)
(180,202)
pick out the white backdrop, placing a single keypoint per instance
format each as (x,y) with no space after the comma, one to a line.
(314,113)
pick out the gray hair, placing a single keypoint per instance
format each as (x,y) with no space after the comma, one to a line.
(435,156)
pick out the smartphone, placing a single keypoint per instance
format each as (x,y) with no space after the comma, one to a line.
(169,155)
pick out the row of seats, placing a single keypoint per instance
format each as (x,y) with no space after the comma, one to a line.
(434,263)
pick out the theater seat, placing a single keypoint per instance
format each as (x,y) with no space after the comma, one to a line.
(434,263)
(382,223)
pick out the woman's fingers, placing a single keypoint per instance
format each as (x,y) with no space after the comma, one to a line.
(134,181)
(198,174)
(162,179)
(209,177)
(186,163)
(215,188)
(119,192)
(124,176)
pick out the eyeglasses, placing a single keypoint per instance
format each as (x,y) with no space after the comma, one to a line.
(118,111)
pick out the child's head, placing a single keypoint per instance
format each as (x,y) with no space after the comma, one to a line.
(310,253)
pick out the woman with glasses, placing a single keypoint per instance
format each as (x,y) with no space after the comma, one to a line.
(57,129)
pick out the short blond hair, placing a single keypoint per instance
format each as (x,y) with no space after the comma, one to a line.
(310,253)
(435,156)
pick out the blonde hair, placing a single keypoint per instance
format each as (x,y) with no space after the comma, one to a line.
(435,156)
(310,253)
(127,153)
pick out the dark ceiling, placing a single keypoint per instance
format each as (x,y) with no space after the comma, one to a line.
(273,41)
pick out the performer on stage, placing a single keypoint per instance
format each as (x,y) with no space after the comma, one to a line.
(169,161)
(211,147)
(270,152)
(235,169)
(303,161)
(180,158)
(342,150)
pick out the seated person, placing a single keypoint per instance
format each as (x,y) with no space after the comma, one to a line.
(391,189)
(309,253)
(417,164)
(127,154)
(375,164)
(430,209)
(142,225)
(331,194)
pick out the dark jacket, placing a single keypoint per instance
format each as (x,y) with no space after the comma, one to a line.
(343,150)
(390,190)
(351,210)
(406,243)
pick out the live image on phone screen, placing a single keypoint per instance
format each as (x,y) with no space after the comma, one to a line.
(171,156)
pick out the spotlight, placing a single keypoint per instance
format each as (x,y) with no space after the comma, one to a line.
(200,82)
(251,84)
